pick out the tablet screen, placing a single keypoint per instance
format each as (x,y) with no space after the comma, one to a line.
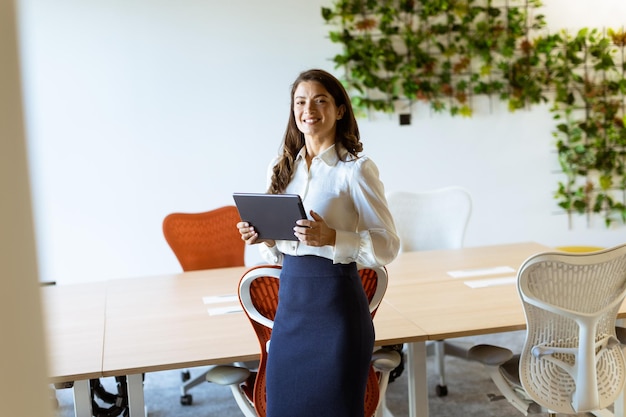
(272,215)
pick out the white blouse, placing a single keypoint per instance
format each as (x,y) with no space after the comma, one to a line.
(350,197)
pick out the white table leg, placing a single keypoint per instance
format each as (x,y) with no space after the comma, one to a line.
(136,403)
(82,398)
(417,379)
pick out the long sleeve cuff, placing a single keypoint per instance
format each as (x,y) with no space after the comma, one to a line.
(271,254)
(346,247)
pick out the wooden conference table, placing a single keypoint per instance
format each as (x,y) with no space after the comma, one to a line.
(184,320)
(139,325)
(174,321)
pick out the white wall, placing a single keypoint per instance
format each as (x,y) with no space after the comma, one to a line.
(139,108)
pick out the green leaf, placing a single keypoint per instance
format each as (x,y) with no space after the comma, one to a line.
(327,14)
(606,181)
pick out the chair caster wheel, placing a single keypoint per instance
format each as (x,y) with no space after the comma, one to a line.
(441,390)
(186,399)
(185,376)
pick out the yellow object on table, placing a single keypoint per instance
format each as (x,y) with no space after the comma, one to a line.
(579,249)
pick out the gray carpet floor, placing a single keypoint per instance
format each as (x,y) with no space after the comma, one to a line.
(469,390)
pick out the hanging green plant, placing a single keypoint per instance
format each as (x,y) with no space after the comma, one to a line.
(589,109)
(446,52)
(442,52)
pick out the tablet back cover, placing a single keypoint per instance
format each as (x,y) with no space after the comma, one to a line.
(272,215)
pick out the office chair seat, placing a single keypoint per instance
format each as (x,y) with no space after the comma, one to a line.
(510,371)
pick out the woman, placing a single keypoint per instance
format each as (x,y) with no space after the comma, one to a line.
(323,335)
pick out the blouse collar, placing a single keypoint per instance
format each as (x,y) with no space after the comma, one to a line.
(329,155)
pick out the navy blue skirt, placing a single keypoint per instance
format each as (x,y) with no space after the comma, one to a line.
(322,341)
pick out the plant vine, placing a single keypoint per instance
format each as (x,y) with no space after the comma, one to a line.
(446,52)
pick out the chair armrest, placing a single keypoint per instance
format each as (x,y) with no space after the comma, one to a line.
(386,359)
(490,355)
(227,375)
(457,348)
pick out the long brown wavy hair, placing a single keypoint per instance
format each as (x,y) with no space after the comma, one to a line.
(347,132)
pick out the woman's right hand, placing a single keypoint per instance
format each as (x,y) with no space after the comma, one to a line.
(250,236)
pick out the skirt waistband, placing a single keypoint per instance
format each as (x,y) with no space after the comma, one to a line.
(317,264)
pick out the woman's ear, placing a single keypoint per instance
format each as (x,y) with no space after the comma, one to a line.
(341,111)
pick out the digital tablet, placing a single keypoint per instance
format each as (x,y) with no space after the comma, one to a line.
(272,215)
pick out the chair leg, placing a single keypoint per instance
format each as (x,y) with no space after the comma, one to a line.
(440,356)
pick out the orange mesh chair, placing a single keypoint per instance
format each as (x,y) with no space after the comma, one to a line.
(258,294)
(204,241)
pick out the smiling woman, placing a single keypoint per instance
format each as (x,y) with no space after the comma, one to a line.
(349,224)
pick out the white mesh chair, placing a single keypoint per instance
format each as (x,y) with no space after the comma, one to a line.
(258,294)
(431,220)
(572,360)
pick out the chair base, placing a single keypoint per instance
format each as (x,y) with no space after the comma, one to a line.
(440,349)
(189,383)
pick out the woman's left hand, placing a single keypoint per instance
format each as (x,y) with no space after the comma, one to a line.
(314,232)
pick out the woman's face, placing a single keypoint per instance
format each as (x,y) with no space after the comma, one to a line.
(315,111)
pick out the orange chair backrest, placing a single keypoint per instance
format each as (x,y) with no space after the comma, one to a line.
(263,293)
(205,240)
